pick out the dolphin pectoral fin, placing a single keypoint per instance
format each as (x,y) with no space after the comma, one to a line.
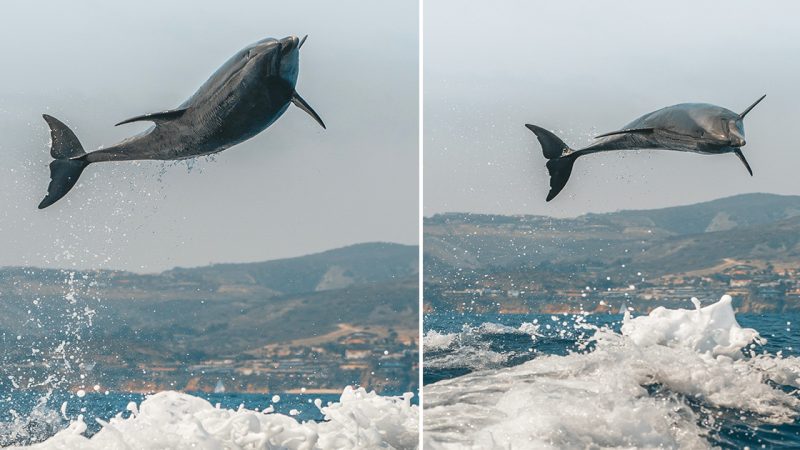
(163,116)
(739,153)
(744,113)
(632,130)
(300,103)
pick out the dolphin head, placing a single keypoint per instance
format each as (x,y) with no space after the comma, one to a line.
(275,58)
(290,57)
(736,125)
(732,126)
(722,126)
(718,127)
(735,134)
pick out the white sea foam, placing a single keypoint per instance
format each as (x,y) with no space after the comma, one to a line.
(433,340)
(360,420)
(712,330)
(40,421)
(605,398)
(496,328)
(467,350)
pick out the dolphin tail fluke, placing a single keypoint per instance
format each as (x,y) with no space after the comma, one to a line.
(68,163)
(560,159)
(560,169)
(552,146)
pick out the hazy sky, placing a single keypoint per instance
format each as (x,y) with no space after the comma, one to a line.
(292,190)
(582,68)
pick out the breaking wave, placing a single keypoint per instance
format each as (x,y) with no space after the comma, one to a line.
(359,420)
(469,348)
(672,379)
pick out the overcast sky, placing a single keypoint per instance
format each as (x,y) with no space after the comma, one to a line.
(292,190)
(582,68)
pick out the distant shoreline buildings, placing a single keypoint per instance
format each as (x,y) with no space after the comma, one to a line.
(754,290)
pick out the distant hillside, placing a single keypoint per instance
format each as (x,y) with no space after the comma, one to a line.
(775,242)
(333,269)
(322,321)
(232,328)
(739,211)
(226,308)
(752,226)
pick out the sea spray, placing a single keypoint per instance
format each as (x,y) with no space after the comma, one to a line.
(48,354)
(359,420)
(679,378)
(712,330)
(468,349)
(50,346)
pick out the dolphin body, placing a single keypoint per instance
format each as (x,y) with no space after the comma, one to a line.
(241,99)
(687,127)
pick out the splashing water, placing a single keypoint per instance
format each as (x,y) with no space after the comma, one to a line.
(683,378)
(469,349)
(48,349)
(360,420)
(30,427)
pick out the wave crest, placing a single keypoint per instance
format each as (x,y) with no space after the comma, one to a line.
(664,382)
(360,420)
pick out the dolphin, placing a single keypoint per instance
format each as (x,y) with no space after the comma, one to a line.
(242,98)
(687,127)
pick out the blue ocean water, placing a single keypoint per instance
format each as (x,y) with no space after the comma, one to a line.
(457,344)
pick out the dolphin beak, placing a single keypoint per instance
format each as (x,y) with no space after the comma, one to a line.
(737,140)
(290,43)
(302,41)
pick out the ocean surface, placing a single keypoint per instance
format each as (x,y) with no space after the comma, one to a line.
(680,379)
(203,419)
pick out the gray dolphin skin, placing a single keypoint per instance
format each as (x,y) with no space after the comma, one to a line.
(687,127)
(241,99)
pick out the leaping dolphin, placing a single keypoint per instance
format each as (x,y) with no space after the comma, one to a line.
(241,99)
(687,127)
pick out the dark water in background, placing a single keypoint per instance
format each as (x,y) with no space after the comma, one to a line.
(482,345)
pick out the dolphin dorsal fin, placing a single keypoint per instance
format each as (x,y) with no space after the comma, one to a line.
(163,116)
(300,103)
(632,130)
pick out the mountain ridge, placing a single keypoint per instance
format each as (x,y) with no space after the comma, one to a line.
(215,293)
(358,263)
(474,241)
